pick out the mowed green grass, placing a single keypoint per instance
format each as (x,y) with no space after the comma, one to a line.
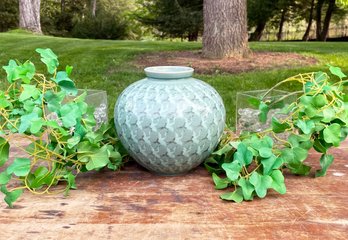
(107,65)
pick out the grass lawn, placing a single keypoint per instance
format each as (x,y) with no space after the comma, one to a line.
(104,64)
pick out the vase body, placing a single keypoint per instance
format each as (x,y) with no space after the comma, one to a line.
(169,122)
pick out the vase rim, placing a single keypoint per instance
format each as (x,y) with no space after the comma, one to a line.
(169,72)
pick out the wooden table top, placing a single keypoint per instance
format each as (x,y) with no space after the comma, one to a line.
(134,204)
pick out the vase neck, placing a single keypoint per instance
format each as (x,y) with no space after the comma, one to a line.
(168,72)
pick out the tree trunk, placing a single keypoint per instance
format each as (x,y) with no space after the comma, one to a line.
(94,7)
(257,34)
(310,20)
(29,15)
(318,17)
(225,28)
(325,31)
(62,6)
(281,24)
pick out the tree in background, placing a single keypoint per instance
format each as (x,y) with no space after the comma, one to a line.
(225,28)
(259,13)
(8,15)
(323,25)
(29,15)
(178,19)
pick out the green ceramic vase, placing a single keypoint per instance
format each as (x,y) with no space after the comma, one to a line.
(169,122)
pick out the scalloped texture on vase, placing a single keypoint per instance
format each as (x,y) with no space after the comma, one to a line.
(169,126)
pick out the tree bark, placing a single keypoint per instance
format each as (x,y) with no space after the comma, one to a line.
(29,15)
(325,31)
(62,6)
(94,7)
(257,34)
(310,20)
(281,24)
(225,28)
(318,17)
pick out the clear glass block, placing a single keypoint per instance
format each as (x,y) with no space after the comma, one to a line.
(99,100)
(247,112)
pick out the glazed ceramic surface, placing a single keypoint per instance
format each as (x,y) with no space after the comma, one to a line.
(169,122)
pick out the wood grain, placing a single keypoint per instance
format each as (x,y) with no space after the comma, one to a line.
(134,204)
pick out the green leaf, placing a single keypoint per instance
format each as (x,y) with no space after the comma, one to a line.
(20,167)
(325,163)
(329,114)
(224,150)
(332,134)
(320,101)
(261,183)
(70,113)
(73,141)
(29,91)
(54,100)
(68,70)
(337,72)
(243,155)
(220,183)
(4,151)
(4,178)
(49,59)
(271,163)
(232,170)
(264,109)
(11,197)
(26,121)
(265,152)
(236,196)
(278,183)
(11,71)
(98,159)
(306,127)
(65,83)
(278,127)
(26,71)
(320,146)
(36,125)
(71,180)
(247,188)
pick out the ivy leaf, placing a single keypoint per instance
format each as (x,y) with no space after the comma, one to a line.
(337,72)
(98,159)
(68,69)
(49,59)
(70,113)
(20,167)
(319,101)
(329,115)
(232,170)
(26,121)
(332,134)
(325,163)
(4,151)
(261,183)
(65,83)
(247,188)
(243,155)
(26,71)
(73,141)
(271,163)
(29,91)
(278,183)
(71,180)
(236,196)
(264,109)
(265,152)
(4,178)
(306,127)
(278,127)
(11,197)
(11,71)
(224,150)
(220,183)
(36,125)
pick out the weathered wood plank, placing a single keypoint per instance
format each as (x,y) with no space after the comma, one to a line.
(138,205)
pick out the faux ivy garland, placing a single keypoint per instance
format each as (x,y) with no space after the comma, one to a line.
(60,127)
(252,163)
